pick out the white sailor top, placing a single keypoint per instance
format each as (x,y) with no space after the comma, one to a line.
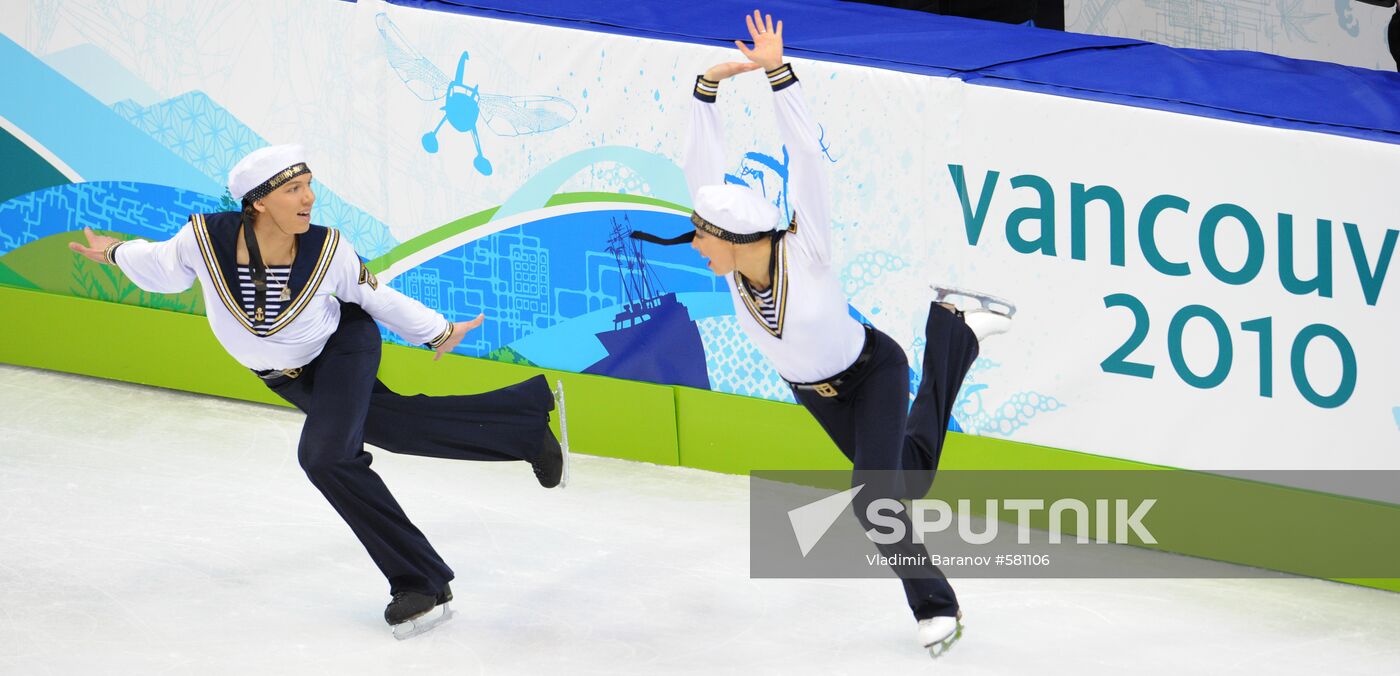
(325,269)
(811,336)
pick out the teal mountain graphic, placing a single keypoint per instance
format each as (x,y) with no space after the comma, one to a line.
(188,142)
(101,76)
(69,124)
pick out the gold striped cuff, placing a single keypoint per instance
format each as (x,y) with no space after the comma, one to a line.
(706,90)
(111,251)
(781,77)
(442,337)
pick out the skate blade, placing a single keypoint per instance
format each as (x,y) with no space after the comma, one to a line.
(985,301)
(563,431)
(941,648)
(423,623)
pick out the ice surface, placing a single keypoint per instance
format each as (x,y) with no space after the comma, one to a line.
(149,531)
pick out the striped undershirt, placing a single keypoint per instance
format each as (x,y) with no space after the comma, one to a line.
(766,307)
(276,281)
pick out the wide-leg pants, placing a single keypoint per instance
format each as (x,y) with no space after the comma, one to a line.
(346,406)
(871,422)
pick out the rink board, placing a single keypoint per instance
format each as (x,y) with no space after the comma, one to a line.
(657,424)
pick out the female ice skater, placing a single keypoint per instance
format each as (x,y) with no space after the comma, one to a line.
(291,301)
(854,379)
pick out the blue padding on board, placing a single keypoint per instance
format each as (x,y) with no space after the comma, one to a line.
(819,29)
(1243,84)
(1246,87)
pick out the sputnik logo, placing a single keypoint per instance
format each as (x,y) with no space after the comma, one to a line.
(811,521)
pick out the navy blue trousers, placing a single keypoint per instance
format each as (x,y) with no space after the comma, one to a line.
(872,423)
(347,406)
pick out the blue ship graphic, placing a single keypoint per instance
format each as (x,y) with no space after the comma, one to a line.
(653,337)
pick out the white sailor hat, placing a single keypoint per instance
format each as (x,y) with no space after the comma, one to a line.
(733,213)
(265,170)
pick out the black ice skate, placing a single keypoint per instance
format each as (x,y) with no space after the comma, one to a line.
(411,613)
(552,468)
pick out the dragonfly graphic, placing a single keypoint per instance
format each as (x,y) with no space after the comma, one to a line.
(465,106)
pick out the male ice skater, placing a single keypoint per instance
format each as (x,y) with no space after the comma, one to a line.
(292,302)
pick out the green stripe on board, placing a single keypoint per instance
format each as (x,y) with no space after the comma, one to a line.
(480,218)
(9,277)
(177,351)
(49,265)
(430,238)
(614,198)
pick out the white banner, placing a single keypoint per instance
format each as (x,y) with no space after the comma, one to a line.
(1190,292)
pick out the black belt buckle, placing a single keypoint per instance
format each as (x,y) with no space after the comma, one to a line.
(825,389)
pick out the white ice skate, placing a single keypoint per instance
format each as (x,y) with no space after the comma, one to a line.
(563,430)
(938,634)
(985,314)
(985,301)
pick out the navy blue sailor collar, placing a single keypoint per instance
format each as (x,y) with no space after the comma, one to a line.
(217,235)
